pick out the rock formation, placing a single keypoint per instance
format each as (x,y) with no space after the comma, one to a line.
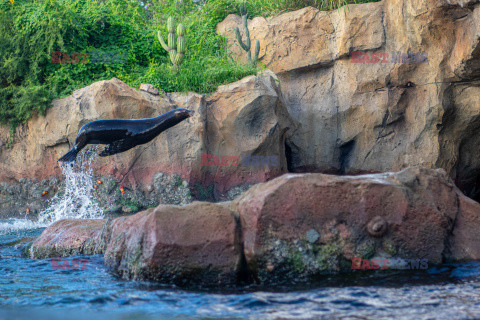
(247,117)
(360,106)
(295,227)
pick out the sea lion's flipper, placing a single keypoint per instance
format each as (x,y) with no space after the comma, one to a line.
(115,147)
(69,156)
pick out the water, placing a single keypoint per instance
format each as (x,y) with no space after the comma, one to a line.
(76,202)
(32,289)
(36,289)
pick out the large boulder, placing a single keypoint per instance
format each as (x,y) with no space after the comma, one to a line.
(70,237)
(247,118)
(377,117)
(309,224)
(194,244)
(295,227)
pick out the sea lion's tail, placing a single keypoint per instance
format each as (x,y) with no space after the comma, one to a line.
(69,156)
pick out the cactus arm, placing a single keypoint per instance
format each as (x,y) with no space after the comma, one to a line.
(257,51)
(181,45)
(162,42)
(170,25)
(173,54)
(171,40)
(239,39)
(175,47)
(248,45)
(247,33)
(181,39)
(179,58)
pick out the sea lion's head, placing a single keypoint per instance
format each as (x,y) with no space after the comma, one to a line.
(182,113)
(174,117)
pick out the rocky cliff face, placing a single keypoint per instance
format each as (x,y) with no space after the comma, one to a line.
(381,87)
(388,85)
(363,108)
(246,118)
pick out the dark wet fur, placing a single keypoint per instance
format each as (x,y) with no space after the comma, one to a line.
(123,134)
(69,156)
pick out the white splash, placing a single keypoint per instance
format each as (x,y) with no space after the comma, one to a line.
(77,202)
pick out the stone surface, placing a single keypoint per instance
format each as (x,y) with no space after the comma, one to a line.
(69,237)
(464,241)
(150,88)
(377,117)
(293,228)
(409,214)
(246,117)
(194,244)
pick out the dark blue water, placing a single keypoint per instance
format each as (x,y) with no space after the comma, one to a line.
(32,289)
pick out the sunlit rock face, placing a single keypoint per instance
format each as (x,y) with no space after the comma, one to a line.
(247,118)
(363,104)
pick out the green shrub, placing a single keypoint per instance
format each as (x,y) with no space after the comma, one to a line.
(31,29)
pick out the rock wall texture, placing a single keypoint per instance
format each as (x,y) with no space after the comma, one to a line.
(247,117)
(294,227)
(377,114)
(378,88)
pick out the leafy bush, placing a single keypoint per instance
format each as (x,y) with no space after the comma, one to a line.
(31,29)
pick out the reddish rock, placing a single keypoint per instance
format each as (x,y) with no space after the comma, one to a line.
(464,241)
(409,214)
(293,227)
(197,243)
(69,237)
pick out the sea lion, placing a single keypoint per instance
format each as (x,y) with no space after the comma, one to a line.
(123,134)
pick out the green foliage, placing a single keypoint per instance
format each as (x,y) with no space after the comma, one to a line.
(273,7)
(205,194)
(31,30)
(178,181)
(134,205)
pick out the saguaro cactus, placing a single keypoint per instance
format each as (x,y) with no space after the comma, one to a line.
(247,46)
(176,55)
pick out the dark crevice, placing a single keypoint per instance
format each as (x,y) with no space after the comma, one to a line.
(345,152)
(289,157)
(244,275)
(448,240)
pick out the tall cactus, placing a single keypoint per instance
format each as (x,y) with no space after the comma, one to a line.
(176,55)
(247,46)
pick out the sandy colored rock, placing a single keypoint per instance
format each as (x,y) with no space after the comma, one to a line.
(247,117)
(150,88)
(377,117)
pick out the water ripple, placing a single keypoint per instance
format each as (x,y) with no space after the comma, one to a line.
(31,289)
